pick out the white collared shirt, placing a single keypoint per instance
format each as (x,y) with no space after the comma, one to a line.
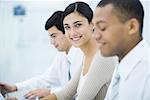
(57,75)
(1,97)
(134,71)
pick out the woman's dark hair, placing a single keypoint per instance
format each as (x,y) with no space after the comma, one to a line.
(56,19)
(80,7)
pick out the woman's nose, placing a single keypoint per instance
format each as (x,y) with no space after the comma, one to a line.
(73,32)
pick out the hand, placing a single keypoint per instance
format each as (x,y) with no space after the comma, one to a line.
(11,98)
(50,97)
(37,92)
(7,87)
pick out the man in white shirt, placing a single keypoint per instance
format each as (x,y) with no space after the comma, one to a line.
(118,31)
(67,61)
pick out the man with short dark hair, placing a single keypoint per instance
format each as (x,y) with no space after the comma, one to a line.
(61,70)
(118,32)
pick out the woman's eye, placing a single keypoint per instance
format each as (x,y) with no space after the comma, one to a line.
(78,25)
(66,27)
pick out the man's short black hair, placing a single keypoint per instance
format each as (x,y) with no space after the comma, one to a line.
(126,9)
(55,20)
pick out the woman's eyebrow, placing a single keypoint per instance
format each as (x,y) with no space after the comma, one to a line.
(77,22)
(73,23)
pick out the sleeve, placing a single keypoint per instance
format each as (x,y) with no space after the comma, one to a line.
(69,90)
(48,79)
(55,89)
(98,78)
(147,89)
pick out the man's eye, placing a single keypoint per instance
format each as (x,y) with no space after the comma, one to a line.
(103,29)
(53,36)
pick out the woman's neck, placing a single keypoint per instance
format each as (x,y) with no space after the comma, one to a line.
(89,49)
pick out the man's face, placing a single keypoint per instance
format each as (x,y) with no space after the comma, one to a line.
(110,33)
(58,39)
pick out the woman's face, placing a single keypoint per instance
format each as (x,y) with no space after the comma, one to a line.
(77,29)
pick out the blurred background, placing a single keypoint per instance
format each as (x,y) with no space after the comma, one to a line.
(25,50)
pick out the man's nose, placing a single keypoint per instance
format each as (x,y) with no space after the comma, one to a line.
(97,35)
(52,41)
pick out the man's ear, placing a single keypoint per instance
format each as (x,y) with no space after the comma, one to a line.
(133,26)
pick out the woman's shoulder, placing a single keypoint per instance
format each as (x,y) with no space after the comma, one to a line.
(99,58)
(103,64)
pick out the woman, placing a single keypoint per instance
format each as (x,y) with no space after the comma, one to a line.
(91,81)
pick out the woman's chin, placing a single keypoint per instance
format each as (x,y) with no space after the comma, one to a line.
(76,45)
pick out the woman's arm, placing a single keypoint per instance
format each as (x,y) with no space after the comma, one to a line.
(68,91)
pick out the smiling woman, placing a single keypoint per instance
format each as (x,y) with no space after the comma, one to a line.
(78,31)
(92,79)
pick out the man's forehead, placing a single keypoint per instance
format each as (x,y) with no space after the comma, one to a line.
(53,30)
(102,13)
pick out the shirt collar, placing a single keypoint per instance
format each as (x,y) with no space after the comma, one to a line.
(128,63)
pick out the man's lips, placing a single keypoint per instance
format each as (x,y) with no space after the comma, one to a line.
(101,44)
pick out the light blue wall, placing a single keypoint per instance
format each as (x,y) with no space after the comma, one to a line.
(146,29)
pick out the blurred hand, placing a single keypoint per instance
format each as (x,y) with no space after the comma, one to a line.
(11,98)
(50,97)
(7,87)
(37,92)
